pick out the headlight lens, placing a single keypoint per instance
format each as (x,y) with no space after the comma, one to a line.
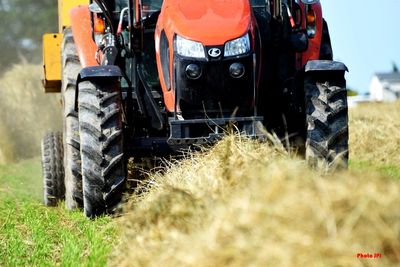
(188,48)
(238,46)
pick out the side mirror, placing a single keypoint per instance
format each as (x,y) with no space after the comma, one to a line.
(309,2)
(94,8)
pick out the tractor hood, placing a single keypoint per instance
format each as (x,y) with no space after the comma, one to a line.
(211,22)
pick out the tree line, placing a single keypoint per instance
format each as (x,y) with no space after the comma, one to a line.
(22,26)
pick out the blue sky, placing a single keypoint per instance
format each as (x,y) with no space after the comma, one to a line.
(365,35)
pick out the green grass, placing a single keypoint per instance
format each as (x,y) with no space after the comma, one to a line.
(22,180)
(34,235)
(387,170)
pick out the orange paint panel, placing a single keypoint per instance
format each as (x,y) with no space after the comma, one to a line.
(82,32)
(213,22)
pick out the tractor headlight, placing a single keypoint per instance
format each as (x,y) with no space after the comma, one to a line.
(188,48)
(238,46)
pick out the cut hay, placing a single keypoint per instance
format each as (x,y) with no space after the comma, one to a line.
(247,204)
(375,133)
(26,113)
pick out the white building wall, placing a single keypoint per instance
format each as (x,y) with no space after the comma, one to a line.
(376,89)
(395,87)
(389,95)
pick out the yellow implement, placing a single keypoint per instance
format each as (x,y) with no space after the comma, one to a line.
(52,62)
(64,6)
(52,47)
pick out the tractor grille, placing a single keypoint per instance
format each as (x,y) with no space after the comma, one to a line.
(215,94)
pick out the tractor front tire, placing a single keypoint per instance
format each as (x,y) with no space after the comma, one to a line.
(101,139)
(327,119)
(53,169)
(71,68)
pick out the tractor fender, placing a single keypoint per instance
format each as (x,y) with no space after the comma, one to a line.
(96,73)
(99,72)
(325,65)
(82,32)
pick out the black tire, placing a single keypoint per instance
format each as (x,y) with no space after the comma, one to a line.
(327,119)
(53,169)
(73,178)
(101,137)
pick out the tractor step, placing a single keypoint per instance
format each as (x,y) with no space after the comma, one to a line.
(156,95)
(209,131)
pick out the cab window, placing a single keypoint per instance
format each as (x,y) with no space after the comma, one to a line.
(151,6)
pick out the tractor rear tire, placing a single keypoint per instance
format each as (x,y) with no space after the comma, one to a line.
(53,169)
(327,119)
(71,68)
(101,138)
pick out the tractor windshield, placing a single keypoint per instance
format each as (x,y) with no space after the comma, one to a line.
(150,6)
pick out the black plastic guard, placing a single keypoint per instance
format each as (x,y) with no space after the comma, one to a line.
(96,73)
(325,65)
(110,71)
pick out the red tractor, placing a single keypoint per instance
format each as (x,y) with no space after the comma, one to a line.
(147,78)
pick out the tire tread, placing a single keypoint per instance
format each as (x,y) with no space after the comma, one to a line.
(103,167)
(53,168)
(327,120)
(73,178)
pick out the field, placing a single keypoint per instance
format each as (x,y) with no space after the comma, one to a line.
(239,204)
(32,235)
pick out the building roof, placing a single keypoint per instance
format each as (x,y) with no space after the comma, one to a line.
(391,78)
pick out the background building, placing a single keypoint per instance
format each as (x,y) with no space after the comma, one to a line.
(385,87)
